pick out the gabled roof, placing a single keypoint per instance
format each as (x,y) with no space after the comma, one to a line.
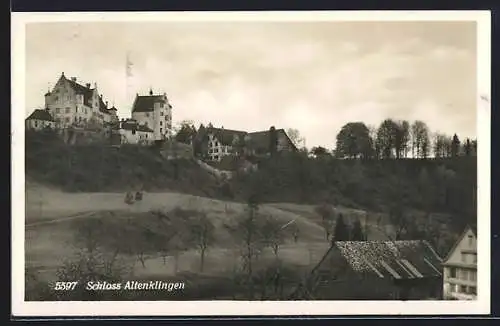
(102,106)
(225,136)
(80,89)
(391,259)
(40,114)
(146,103)
(260,140)
(471,227)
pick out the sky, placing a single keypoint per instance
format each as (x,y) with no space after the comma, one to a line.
(311,76)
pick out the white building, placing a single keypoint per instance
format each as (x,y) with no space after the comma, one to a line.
(40,119)
(131,132)
(72,104)
(154,112)
(460,268)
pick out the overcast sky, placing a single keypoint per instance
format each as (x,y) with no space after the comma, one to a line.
(314,77)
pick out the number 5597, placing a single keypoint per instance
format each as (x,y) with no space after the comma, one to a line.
(65,286)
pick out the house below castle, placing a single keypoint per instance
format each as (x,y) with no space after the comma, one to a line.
(216,143)
(39,120)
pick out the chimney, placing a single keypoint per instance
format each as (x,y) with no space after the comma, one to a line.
(100,96)
(73,79)
(150,92)
(62,74)
(88,85)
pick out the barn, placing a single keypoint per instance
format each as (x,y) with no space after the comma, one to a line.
(374,270)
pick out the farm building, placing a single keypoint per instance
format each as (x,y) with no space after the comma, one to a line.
(374,270)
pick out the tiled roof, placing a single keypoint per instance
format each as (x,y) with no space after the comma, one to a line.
(260,140)
(391,259)
(40,114)
(226,136)
(83,90)
(146,103)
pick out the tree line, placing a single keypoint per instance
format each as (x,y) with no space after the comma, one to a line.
(398,139)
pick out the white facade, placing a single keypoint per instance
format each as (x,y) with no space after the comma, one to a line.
(73,104)
(155,112)
(36,124)
(217,150)
(460,268)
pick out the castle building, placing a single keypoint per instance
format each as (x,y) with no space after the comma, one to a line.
(72,104)
(154,112)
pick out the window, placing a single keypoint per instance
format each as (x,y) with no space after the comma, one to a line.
(161,130)
(36,123)
(66,119)
(464,258)
(67,110)
(472,276)
(147,115)
(473,290)
(470,240)
(161,123)
(161,106)
(146,135)
(453,272)
(133,131)
(161,113)
(463,289)
(464,275)
(58,110)
(474,258)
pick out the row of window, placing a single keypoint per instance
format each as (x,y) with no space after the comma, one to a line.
(463,289)
(462,274)
(68,110)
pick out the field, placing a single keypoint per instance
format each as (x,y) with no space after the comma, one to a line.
(53,218)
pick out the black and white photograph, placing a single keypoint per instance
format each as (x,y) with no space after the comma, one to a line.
(215,160)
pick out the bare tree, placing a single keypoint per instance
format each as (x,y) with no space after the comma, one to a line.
(202,233)
(327,218)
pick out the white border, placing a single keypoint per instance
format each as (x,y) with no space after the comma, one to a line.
(221,308)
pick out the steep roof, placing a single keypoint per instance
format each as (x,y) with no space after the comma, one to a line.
(226,136)
(472,227)
(391,259)
(83,90)
(102,106)
(40,114)
(146,103)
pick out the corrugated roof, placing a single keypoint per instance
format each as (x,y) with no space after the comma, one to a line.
(40,114)
(395,259)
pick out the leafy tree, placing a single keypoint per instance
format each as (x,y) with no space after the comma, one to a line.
(357,233)
(186,132)
(273,141)
(419,139)
(354,141)
(455,146)
(467,147)
(402,138)
(341,230)
(319,151)
(387,138)
(295,137)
